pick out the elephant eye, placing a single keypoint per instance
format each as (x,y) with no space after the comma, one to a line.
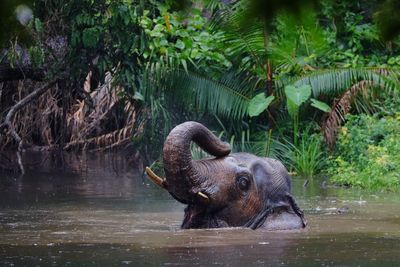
(243,183)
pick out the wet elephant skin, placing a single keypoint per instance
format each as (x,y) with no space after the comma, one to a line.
(229,189)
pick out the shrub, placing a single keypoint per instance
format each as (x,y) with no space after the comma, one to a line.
(368,152)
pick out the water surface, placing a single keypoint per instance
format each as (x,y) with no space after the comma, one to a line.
(98,210)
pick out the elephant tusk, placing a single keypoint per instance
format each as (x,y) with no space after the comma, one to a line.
(161,183)
(155,178)
(203,196)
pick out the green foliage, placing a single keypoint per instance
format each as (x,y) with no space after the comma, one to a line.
(91,37)
(388,20)
(320,105)
(106,36)
(297,43)
(368,152)
(308,157)
(14,55)
(176,64)
(185,39)
(259,103)
(228,97)
(262,144)
(295,97)
(245,40)
(37,56)
(333,82)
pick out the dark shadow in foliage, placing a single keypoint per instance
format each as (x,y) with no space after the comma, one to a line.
(388,19)
(10,27)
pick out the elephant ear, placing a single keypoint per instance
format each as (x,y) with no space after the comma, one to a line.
(271,178)
(273,186)
(271,206)
(296,209)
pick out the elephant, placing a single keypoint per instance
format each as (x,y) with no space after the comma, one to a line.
(228,189)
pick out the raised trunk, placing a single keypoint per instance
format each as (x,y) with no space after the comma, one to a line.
(184,176)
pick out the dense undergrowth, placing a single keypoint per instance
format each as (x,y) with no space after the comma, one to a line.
(367,153)
(279,83)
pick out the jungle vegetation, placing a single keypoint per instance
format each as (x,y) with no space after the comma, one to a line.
(312,83)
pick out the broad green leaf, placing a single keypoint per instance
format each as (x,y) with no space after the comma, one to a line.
(320,105)
(258,104)
(296,96)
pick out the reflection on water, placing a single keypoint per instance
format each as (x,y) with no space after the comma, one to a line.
(97,210)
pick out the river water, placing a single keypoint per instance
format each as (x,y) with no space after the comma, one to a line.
(98,210)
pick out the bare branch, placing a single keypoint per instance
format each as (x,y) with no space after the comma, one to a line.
(7,124)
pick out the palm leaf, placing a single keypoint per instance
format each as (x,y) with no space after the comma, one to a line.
(340,109)
(229,97)
(336,81)
(387,80)
(243,38)
(348,83)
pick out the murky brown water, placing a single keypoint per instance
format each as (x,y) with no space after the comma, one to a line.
(98,211)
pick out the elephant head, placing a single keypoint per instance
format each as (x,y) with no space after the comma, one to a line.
(229,190)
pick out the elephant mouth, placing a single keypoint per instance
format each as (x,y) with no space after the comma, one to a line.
(162,182)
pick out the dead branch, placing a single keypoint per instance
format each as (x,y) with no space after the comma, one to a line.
(8,121)
(114,139)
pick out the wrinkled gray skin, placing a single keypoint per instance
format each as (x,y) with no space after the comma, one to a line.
(243,190)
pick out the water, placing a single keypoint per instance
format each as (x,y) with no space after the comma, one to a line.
(97,210)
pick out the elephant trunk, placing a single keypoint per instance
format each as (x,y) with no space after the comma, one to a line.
(184,175)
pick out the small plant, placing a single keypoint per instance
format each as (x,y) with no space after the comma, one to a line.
(308,156)
(295,97)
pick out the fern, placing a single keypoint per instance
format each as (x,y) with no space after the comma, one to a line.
(296,42)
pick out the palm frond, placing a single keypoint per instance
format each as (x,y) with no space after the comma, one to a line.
(336,81)
(229,97)
(351,85)
(386,80)
(243,38)
(340,109)
(213,5)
